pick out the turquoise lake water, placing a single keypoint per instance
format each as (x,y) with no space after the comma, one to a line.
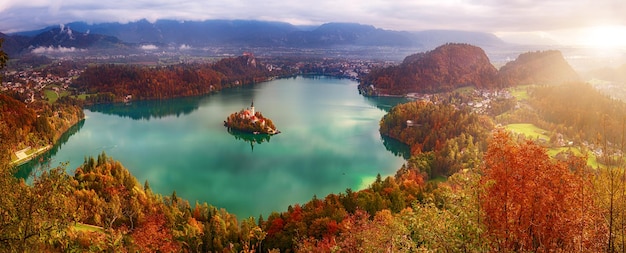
(329,142)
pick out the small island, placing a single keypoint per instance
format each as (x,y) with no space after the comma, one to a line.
(250,121)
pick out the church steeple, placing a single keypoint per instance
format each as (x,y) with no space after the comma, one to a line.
(252,107)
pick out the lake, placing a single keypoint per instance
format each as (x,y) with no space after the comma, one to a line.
(329,142)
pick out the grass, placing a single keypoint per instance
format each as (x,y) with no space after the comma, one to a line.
(465,89)
(592,161)
(52,96)
(534,132)
(520,92)
(87,228)
(81,96)
(529,130)
(554,151)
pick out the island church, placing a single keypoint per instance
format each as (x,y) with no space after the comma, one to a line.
(249,120)
(249,114)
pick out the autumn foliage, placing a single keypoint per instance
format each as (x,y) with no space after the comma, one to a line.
(536,204)
(153,235)
(582,108)
(36,125)
(113,83)
(443,138)
(443,69)
(519,200)
(540,67)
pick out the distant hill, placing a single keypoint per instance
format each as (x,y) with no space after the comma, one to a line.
(66,37)
(443,69)
(246,33)
(332,34)
(541,67)
(617,74)
(13,44)
(193,33)
(433,38)
(58,38)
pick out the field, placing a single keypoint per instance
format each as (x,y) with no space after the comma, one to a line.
(52,96)
(591,159)
(531,131)
(520,92)
(81,96)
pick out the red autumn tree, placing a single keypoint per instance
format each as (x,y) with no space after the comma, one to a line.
(533,203)
(153,235)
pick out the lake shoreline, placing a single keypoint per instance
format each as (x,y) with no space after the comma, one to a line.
(31,156)
(42,150)
(181,144)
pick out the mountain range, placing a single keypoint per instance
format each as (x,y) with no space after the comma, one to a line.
(238,33)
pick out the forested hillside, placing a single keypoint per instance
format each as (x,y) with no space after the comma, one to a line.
(114,83)
(442,138)
(443,69)
(576,110)
(38,125)
(547,67)
(617,74)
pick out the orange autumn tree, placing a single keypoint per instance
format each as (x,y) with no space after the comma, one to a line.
(534,203)
(153,235)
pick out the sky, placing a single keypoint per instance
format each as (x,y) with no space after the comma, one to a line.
(584,22)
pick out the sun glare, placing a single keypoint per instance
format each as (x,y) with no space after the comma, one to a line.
(604,37)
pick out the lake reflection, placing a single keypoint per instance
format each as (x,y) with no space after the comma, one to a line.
(253,139)
(329,142)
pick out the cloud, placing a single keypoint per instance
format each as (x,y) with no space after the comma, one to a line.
(51,50)
(522,16)
(184,47)
(149,47)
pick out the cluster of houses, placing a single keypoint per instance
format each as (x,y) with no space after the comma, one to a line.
(30,82)
(483,103)
(351,69)
(481,98)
